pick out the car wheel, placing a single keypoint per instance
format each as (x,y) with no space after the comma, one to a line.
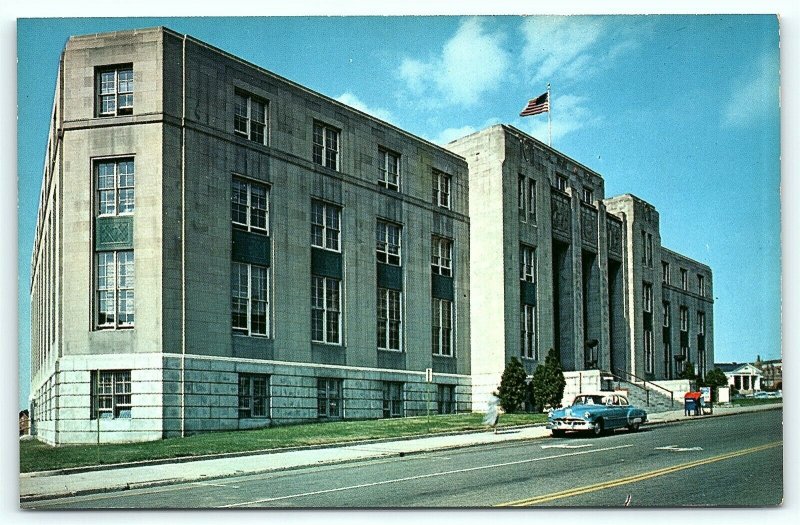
(598,428)
(633,427)
(558,433)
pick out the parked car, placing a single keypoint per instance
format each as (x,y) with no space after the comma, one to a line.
(596,413)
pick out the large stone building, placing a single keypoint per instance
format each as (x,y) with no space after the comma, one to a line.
(220,248)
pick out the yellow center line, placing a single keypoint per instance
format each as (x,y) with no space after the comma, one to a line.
(636,478)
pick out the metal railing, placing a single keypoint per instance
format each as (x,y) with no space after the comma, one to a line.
(628,377)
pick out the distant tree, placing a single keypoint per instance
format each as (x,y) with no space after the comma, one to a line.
(513,390)
(548,382)
(715,379)
(687,372)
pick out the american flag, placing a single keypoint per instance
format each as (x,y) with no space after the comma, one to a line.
(540,104)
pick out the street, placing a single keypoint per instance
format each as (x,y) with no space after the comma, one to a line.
(729,461)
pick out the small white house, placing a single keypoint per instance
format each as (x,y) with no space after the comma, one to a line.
(745,378)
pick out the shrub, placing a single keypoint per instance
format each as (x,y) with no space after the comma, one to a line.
(513,390)
(548,382)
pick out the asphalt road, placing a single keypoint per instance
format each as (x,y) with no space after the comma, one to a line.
(728,461)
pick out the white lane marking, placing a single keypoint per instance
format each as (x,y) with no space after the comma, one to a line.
(422,476)
(567,446)
(208,484)
(676,448)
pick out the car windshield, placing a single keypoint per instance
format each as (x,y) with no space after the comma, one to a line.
(588,400)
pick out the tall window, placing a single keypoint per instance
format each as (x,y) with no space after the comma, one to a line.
(665,273)
(115,186)
(441,189)
(329,398)
(587,195)
(249,299)
(649,354)
(249,205)
(647,297)
(387,238)
(389,176)
(253,396)
(647,249)
(527,263)
(666,314)
(441,256)
(250,117)
(325,225)
(445,399)
(701,323)
(532,199)
(684,313)
(527,323)
(684,279)
(115,91)
(521,196)
(326,146)
(442,327)
(390,318)
(111,394)
(326,310)
(392,399)
(561,183)
(115,283)
(701,285)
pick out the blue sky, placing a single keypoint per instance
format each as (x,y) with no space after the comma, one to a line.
(681,111)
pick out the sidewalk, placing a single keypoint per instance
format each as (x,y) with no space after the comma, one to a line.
(45,485)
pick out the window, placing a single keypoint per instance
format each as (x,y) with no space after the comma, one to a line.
(649,355)
(326,309)
(561,183)
(684,279)
(389,176)
(684,313)
(114,286)
(665,277)
(249,299)
(647,297)
(115,186)
(521,193)
(250,117)
(666,314)
(647,249)
(442,327)
(249,205)
(587,195)
(441,256)
(445,399)
(387,237)
(392,399)
(325,225)
(115,91)
(390,319)
(329,398)
(111,394)
(527,324)
(326,146)
(253,397)
(527,263)
(701,323)
(701,285)
(532,198)
(441,189)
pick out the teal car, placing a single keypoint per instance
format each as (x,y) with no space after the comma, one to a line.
(596,414)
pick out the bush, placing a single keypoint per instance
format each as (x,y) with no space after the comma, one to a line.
(548,382)
(513,390)
(715,379)
(687,372)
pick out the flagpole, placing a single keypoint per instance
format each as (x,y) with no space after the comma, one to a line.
(549,123)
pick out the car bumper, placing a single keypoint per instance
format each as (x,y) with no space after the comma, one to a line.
(571,424)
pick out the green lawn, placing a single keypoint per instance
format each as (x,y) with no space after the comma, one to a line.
(36,456)
(749,401)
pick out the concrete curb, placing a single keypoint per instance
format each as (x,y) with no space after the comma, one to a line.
(212,477)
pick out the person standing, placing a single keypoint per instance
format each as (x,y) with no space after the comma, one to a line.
(492,417)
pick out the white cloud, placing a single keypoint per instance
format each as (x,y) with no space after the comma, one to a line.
(564,46)
(754,96)
(471,64)
(451,134)
(353,101)
(568,113)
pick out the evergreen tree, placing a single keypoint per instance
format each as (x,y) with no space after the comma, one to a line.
(688,372)
(548,382)
(513,390)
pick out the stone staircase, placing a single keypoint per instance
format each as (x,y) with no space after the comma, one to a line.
(643,394)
